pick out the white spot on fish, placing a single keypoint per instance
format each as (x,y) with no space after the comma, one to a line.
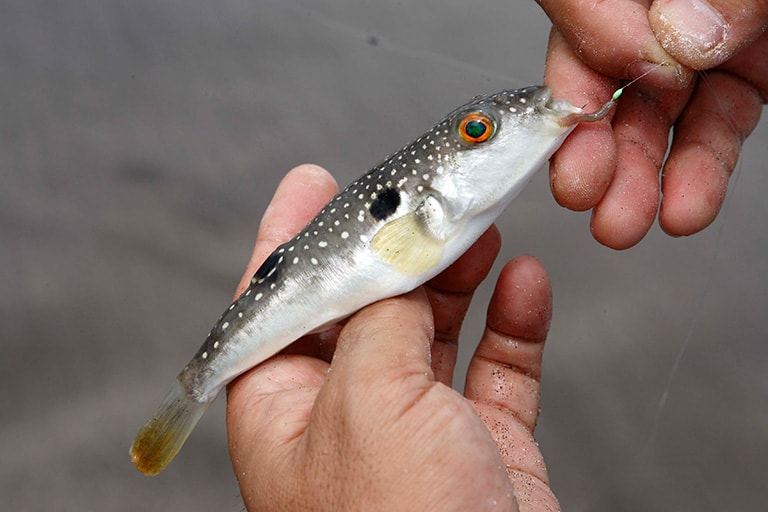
(216,343)
(295,260)
(204,355)
(224,326)
(313,261)
(258,296)
(364,239)
(344,235)
(322,243)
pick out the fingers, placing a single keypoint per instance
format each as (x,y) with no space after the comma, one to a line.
(751,64)
(269,406)
(382,363)
(504,372)
(642,123)
(722,113)
(449,295)
(583,167)
(705,33)
(599,31)
(300,195)
(395,335)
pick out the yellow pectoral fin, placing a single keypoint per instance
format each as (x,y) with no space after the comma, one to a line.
(404,244)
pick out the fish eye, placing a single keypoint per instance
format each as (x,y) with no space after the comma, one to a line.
(476,127)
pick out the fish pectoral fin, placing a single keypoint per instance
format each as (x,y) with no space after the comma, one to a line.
(407,245)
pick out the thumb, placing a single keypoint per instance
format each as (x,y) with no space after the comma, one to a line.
(705,33)
(386,342)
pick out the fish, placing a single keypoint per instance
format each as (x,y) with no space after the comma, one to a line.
(388,232)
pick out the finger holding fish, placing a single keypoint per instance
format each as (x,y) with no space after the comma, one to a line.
(616,172)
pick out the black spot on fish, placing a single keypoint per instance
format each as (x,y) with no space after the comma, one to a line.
(268,266)
(385,204)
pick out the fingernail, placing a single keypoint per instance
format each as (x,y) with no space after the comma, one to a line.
(694,24)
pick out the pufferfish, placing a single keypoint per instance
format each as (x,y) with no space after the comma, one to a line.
(388,232)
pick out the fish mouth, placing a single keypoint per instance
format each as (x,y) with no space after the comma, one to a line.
(556,107)
(565,113)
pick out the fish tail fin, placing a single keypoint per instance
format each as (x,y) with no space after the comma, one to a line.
(161,438)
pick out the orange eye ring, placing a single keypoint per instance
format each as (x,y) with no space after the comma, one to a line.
(476,127)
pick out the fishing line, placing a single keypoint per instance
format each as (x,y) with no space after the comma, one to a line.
(378,41)
(706,287)
(607,106)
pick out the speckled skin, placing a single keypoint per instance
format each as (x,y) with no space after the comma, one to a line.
(328,270)
(390,231)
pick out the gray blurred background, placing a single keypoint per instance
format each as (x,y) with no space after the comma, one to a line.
(139,144)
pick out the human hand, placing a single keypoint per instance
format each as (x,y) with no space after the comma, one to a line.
(363,417)
(612,166)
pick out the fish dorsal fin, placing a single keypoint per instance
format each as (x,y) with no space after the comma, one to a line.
(412,243)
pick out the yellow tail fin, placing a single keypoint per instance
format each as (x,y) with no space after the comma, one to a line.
(161,438)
